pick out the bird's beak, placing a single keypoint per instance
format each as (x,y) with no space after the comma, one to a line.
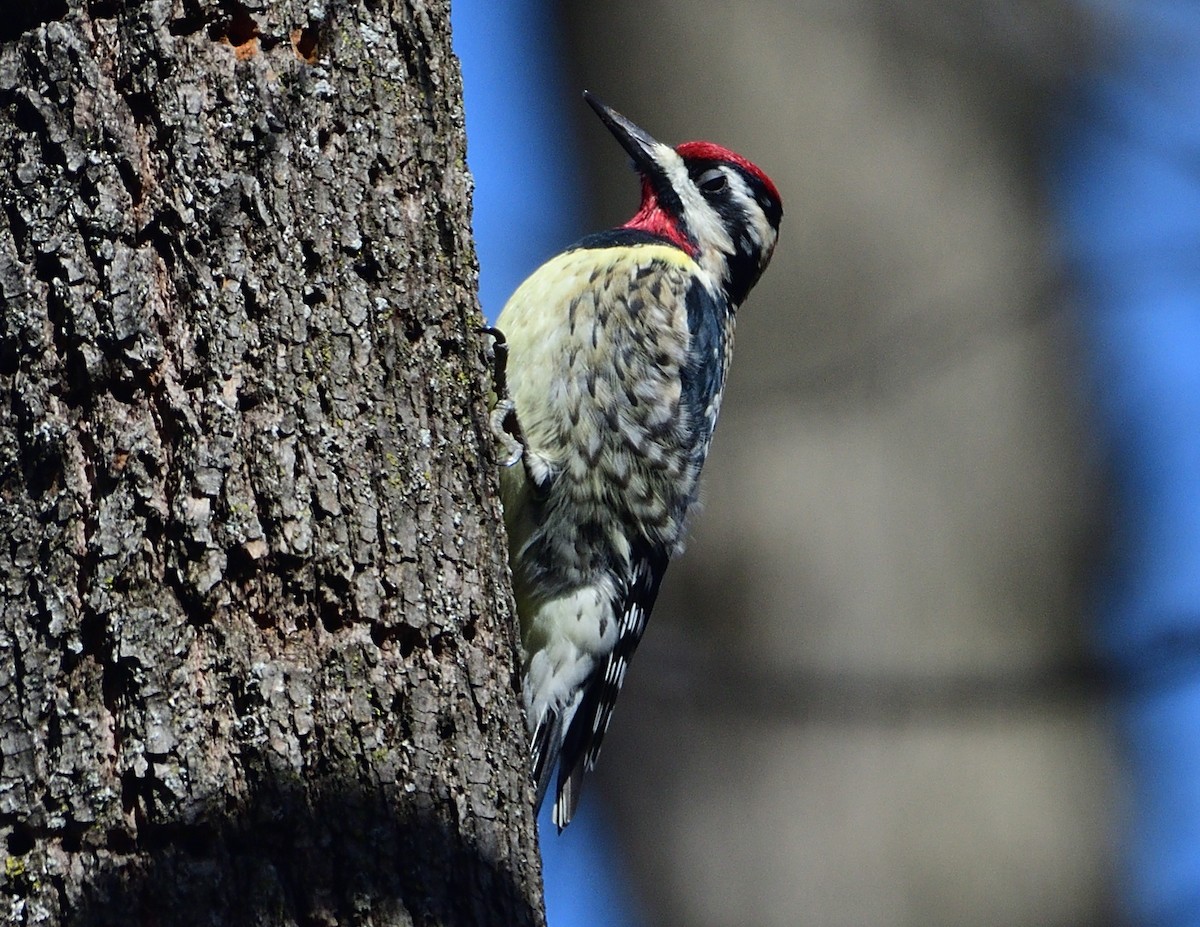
(639,143)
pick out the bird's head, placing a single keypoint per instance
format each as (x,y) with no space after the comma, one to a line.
(713,203)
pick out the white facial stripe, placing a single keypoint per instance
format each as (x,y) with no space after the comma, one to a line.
(705,224)
(702,220)
(745,199)
(758,226)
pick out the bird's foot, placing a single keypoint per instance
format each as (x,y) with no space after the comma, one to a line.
(505,427)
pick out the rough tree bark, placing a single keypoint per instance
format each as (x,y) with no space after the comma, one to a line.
(256,649)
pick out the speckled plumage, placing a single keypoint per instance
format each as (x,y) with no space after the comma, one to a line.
(617,414)
(617,355)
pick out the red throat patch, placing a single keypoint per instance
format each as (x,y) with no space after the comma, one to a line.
(652,218)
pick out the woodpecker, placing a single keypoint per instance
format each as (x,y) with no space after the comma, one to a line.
(617,351)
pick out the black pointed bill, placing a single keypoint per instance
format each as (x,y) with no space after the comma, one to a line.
(639,143)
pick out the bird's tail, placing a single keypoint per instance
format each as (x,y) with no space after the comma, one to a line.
(543,753)
(559,742)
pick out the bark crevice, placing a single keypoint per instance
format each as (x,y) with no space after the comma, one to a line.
(256,630)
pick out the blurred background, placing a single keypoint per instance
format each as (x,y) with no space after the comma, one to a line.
(933,654)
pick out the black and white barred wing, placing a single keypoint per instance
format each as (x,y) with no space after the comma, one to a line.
(581,745)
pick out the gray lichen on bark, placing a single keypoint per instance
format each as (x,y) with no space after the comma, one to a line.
(256,649)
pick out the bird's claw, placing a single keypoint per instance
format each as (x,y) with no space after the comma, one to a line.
(507,432)
(498,355)
(505,427)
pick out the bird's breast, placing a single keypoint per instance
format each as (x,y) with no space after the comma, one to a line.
(598,344)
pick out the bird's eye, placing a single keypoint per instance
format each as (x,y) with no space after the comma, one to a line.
(713,180)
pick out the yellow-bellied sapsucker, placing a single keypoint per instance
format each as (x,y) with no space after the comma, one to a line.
(617,351)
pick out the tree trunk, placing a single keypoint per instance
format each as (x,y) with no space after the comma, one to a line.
(256,640)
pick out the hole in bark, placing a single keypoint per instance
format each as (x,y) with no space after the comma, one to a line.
(45,552)
(468,631)
(133,183)
(406,637)
(72,836)
(56,312)
(188,24)
(446,726)
(130,790)
(440,643)
(199,611)
(312,261)
(20,839)
(26,116)
(240,31)
(53,734)
(92,632)
(21,17)
(332,617)
(304,42)
(102,9)
(141,106)
(118,682)
(242,27)
(124,389)
(18,225)
(8,358)
(410,639)
(78,381)
(367,267)
(254,309)
(48,267)
(240,564)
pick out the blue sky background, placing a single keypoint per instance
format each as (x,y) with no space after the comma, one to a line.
(530,203)
(1124,185)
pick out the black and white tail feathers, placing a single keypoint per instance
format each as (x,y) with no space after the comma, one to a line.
(570,737)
